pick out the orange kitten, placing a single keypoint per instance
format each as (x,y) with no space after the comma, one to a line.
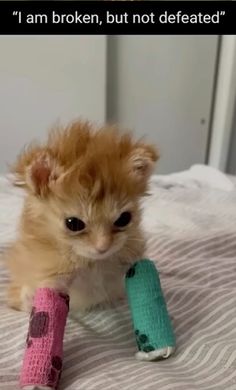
(79,228)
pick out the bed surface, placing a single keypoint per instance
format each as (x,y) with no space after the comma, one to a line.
(190,225)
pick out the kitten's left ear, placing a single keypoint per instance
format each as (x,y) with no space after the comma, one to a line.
(142,161)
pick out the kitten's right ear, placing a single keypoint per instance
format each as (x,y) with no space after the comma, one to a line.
(36,170)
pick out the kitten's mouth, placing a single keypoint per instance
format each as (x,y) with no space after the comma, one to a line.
(96,256)
(102,256)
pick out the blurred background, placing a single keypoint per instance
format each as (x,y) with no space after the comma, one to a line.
(178,91)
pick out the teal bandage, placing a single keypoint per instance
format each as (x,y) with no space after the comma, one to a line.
(152,325)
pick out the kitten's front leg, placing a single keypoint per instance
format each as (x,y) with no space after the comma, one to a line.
(27,296)
(45,340)
(20,297)
(37,387)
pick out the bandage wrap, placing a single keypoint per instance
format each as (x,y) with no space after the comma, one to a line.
(42,362)
(151,321)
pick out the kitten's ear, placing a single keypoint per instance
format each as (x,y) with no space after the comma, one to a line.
(37,171)
(42,173)
(142,161)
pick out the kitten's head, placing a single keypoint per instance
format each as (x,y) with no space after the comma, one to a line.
(84,188)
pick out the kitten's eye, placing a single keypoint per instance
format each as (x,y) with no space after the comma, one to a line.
(74,224)
(123,220)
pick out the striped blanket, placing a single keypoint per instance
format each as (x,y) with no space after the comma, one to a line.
(190,225)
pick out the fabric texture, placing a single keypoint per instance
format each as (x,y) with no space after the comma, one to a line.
(42,363)
(190,227)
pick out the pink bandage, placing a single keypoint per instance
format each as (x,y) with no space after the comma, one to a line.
(42,362)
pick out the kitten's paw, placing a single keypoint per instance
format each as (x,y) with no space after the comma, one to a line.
(157,354)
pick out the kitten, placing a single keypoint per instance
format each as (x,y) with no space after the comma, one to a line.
(80,225)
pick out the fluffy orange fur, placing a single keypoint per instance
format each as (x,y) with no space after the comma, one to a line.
(91,174)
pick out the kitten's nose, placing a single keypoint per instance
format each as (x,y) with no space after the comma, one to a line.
(101,249)
(103,244)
